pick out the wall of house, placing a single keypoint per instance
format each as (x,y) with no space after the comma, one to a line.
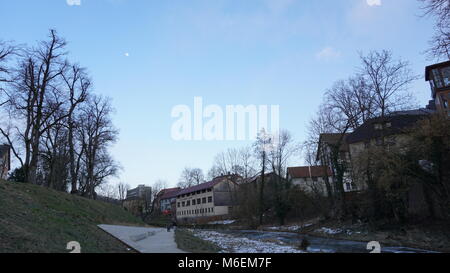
(310,186)
(358,153)
(166,204)
(187,209)
(214,202)
(4,166)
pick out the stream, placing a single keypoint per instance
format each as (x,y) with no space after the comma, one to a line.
(318,244)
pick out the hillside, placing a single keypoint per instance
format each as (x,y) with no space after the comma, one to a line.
(36,219)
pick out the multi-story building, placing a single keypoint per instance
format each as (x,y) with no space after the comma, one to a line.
(439,77)
(5,161)
(138,200)
(391,131)
(208,200)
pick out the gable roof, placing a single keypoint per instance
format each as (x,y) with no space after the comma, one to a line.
(209,184)
(400,122)
(309,171)
(169,193)
(333,139)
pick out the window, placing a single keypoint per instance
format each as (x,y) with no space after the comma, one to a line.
(212,209)
(178,205)
(348,186)
(183,204)
(388,124)
(446,75)
(203,191)
(210,199)
(204,200)
(193,202)
(379,141)
(437,78)
(188,203)
(199,201)
(209,190)
(444,103)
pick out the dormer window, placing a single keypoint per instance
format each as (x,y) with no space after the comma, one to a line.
(439,76)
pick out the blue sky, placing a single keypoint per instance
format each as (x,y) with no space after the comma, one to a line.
(152,55)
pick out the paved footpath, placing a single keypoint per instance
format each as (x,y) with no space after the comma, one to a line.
(143,239)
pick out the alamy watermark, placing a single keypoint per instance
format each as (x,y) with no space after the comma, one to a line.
(229,123)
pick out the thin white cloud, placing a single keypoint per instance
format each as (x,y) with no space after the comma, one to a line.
(373,2)
(73,2)
(328,53)
(279,6)
(127,54)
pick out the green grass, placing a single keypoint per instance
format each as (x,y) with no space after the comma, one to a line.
(159,221)
(186,241)
(35,219)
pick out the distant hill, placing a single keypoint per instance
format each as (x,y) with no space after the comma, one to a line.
(40,220)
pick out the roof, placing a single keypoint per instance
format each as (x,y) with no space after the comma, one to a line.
(333,139)
(309,171)
(430,67)
(207,185)
(400,121)
(257,177)
(169,193)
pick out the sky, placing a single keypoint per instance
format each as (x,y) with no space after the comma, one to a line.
(151,55)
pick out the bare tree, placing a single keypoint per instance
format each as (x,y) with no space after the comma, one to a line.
(388,80)
(440,43)
(78,84)
(35,97)
(279,157)
(354,98)
(122,189)
(330,120)
(96,134)
(157,187)
(262,148)
(235,161)
(6,51)
(191,177)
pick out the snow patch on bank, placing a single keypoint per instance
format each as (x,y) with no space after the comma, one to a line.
(329,230)
(225,222)
(233,244)
(289,228)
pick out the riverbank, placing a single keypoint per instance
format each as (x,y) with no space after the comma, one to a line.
(427,236)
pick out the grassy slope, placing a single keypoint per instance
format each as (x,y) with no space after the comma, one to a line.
(187,241)
(36,219)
